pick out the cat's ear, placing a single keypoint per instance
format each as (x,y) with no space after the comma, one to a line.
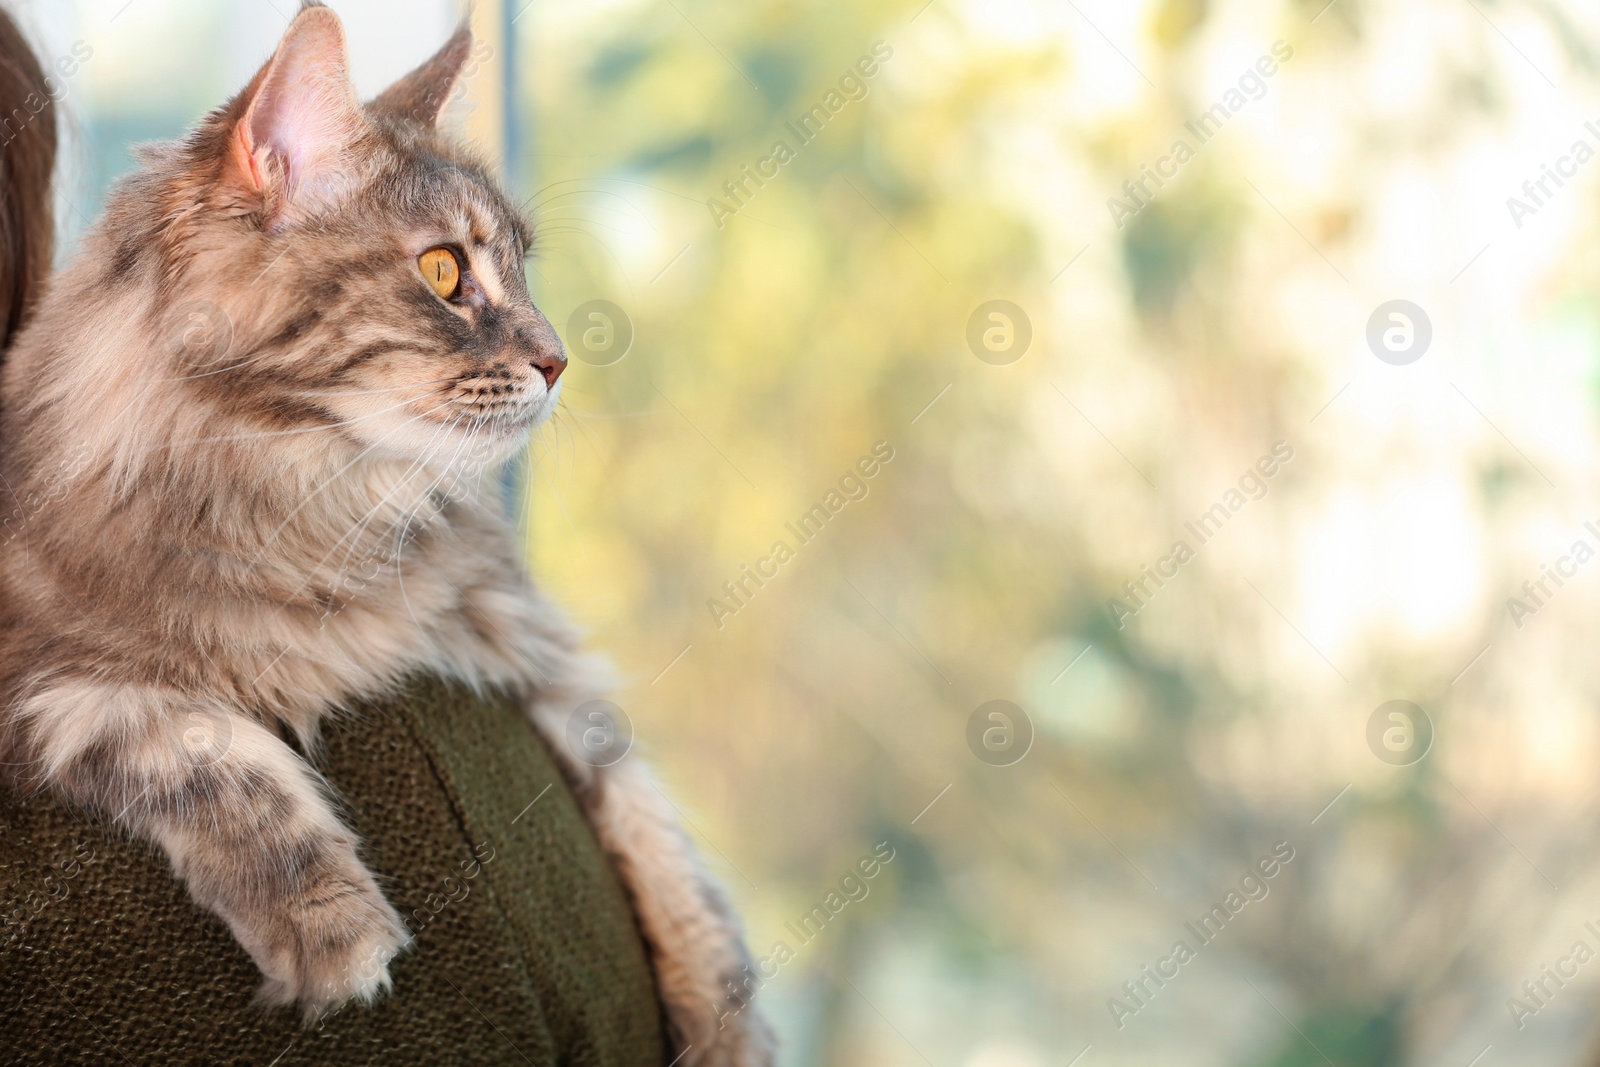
(294,126)
(420,97)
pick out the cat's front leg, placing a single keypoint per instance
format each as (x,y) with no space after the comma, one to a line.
(704,974)
(244,821)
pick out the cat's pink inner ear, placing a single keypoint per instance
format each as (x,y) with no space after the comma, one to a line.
(292,143)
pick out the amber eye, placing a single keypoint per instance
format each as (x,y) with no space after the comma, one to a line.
(439,266)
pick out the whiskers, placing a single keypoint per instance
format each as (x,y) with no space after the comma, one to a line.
(353,535)
(446,474)
(560,210)
(384,389)
(497,401)
(556,441)
(335,427)
(319,490)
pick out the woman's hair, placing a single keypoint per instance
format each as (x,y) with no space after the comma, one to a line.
(27,163)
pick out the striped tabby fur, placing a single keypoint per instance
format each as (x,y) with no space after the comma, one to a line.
(242,443)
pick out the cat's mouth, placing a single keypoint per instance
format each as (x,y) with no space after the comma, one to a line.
(497,407)
(504,419)
(513,426)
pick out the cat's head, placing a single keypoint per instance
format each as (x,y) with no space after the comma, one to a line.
(339,267)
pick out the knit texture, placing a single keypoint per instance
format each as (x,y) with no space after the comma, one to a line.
(525,949)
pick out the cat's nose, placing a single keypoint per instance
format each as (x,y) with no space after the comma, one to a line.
(545,350)
(549,360)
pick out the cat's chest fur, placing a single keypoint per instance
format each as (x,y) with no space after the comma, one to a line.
(438,590)
(370,577)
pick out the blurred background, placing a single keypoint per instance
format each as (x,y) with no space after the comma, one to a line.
(1069,278)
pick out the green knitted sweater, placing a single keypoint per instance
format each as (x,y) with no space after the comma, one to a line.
(525,949)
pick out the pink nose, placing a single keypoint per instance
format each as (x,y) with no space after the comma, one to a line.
(550,361)
(544,348)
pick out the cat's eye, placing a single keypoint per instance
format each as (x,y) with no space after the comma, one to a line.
(440,267)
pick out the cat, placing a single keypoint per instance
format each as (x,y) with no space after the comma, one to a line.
(297,344)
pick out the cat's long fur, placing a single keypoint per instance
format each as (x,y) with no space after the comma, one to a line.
(241,444)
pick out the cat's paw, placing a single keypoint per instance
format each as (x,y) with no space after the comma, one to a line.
(328,944)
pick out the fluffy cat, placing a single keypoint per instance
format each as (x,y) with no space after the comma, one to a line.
(290,352)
